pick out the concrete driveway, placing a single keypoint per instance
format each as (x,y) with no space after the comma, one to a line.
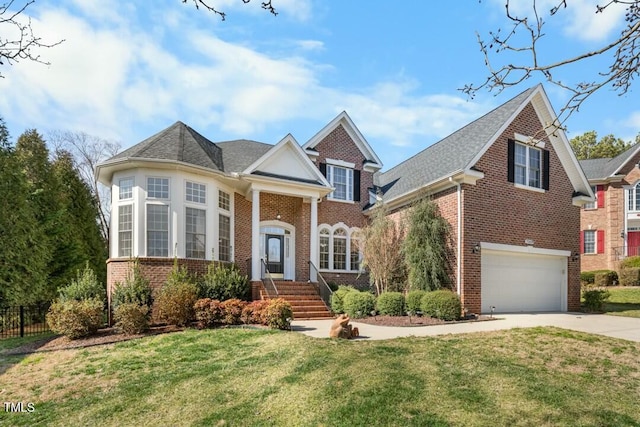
(612,326)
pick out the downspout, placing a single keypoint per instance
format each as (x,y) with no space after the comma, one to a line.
(459,238)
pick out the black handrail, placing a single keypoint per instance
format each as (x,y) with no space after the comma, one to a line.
(323,288)
(268,276)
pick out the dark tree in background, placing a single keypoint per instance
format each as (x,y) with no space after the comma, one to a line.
(517,54)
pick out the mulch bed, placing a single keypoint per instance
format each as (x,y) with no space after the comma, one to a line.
(409,321)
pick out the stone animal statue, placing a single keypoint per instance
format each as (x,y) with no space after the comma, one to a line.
(341,328)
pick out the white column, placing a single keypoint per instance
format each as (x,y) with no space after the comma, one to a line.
(255,236)
(313,238)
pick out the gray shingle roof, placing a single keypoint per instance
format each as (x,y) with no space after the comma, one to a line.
(178,142)
(451,154)
(605,168)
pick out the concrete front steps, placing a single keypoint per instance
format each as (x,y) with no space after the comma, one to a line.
(304,300)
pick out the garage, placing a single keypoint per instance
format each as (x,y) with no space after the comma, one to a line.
(523,279)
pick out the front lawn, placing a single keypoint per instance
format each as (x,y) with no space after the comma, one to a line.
(624,301)
(540,376)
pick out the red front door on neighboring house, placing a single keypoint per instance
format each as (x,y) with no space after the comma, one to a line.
(633,243)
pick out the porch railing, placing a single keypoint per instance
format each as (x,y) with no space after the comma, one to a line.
(23,320)
(321,285)
(619,253)
(267,280)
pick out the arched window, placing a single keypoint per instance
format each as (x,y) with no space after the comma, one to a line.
(340,249)
(634,198)
(324,248)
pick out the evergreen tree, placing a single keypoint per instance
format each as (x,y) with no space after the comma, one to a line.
(426,247)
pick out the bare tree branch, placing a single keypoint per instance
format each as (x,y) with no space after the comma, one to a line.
(266,5)
(17,40)
(623,68)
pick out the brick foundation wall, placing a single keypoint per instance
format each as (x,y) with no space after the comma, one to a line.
(495,211)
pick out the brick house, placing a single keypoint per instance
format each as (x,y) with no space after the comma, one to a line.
(610,226)
(512,200)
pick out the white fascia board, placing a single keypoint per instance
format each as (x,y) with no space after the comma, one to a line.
(582,200)
(523,249)
(630,157)
(340,163)
(284,187)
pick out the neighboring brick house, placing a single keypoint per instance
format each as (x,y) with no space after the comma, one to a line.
(610,226)
(513,203)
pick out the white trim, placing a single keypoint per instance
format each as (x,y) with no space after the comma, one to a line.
(350,231)
(527,140)
(527,187)
(288,256)
(627,161)
(523,249)
(340,163)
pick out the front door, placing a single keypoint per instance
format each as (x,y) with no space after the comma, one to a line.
(275,253)
(633,243)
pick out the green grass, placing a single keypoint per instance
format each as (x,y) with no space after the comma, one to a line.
(540,376)
(623,302)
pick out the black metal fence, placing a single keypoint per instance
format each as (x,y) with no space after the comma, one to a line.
(23,320)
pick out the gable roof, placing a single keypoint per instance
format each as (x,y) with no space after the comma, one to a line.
(239,154)
(373,161)
(178,142)
(455,153)
(601,169)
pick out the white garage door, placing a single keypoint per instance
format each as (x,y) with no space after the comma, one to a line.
(517,282)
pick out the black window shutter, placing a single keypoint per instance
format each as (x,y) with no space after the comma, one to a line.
(545,169)
(511,150)
(323,169)
(356,185)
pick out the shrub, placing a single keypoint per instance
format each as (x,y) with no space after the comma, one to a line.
(630,276)
(76,319)
(442,304)
(587,277)
(630,262)
(594,299)
(338,296)
(278,314)
(332,285)
(223,283)
(132,318)
(414,301)
(605,278)
(391,303)
(135,289)
(208,312)
(232,311)
(359,304)
(174,302)
(85,286)
(253,312)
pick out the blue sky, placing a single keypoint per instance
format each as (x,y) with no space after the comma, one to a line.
(128,71)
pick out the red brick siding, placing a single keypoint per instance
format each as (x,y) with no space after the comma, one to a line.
(495,211)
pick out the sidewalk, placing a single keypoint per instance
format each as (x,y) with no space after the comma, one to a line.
(612,326)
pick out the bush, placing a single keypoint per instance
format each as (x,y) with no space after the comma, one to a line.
(135,289)
(174,302)
(132,318)
(594,299)
(332,285)
(86,286)
(630,276)
(414,301)
(208,312)
(76,319)
(232,311)
(359,304)
(442,304)
(278,314)
(223,283)
(337,305)
(391,303)
(253,312)
(630,262)
(606,277)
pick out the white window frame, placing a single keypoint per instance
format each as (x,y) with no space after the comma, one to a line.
(149,197)
(121,254)
(130,192)
(147,231)
(221,199)
(349,182)
(591,241)
(633,202)
(224,196)
(351,234)
(221,215)
(197,193)
(527,167)
(187,233)
(594,204)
